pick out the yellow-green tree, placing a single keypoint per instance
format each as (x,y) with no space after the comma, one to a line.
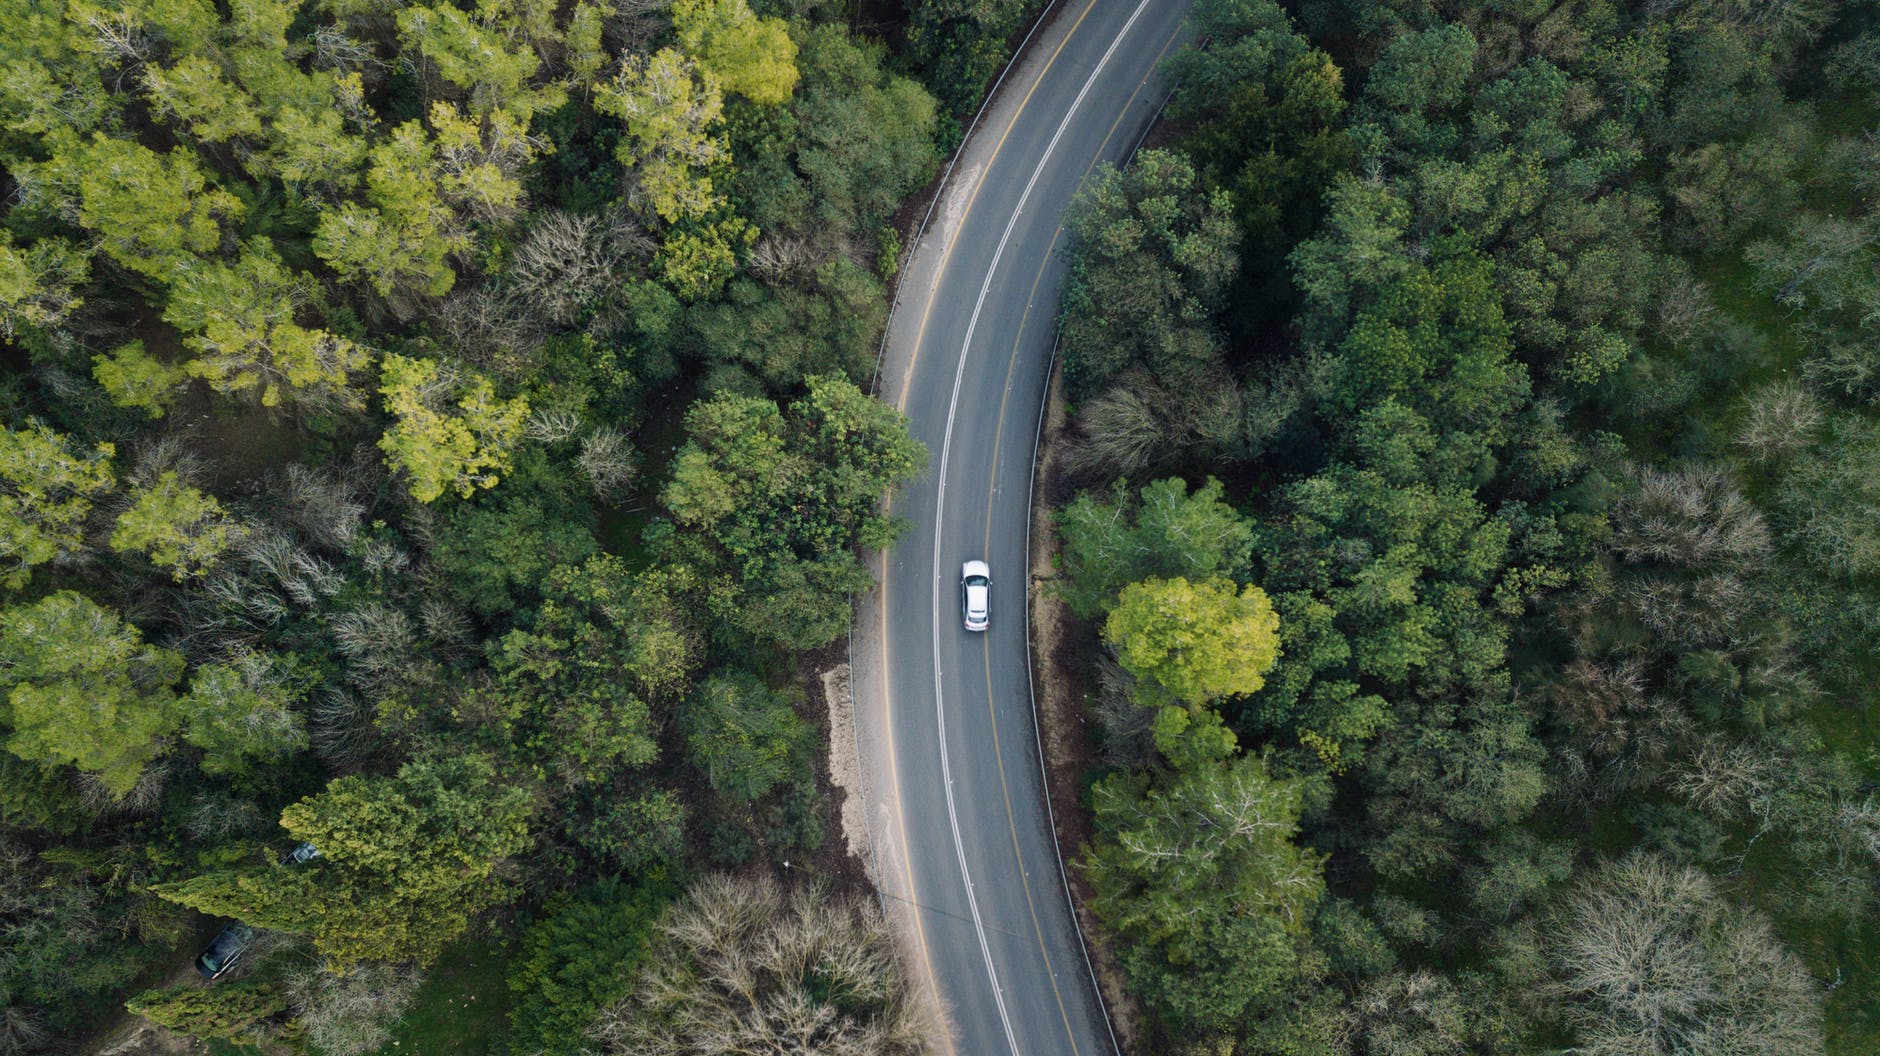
(403,239)
(176,526)
(82,688)
(405,861)
(47,484)
(673,116)
(481,56)
(134,378)
(586,53)
(153,212)
(197,93)
(477,160)
(752,57)
(38,283)
(239,319)
(450,431)
(1194,641)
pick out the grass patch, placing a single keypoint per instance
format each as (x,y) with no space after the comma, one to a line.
(462,1008)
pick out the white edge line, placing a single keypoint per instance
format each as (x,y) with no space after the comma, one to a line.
(939,192)
(940,493)
(874,384)
(1031,690)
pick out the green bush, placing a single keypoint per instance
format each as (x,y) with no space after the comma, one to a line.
(577,959)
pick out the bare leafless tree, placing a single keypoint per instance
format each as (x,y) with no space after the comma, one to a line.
(489,330)
(1417,1013)
(378,643)
(552,425)
(1685,308)
(320,504)
(1128,727)
(343,730)
(217,815)
(1650,960)
(568,261)
(1693,517)
(744,967)
(778,257)
(1781,419)
(22,1027)
(351,1014)
(144,797)
(608,462)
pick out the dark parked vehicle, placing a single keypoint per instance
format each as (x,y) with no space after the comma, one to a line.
(224,951)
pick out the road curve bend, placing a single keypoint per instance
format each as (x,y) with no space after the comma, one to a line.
(961,844)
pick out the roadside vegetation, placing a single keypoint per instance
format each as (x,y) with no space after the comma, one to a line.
(1475,530)
(431,432)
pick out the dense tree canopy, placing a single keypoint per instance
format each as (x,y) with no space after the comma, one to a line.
(376,422)
(1539,381)
(784,495)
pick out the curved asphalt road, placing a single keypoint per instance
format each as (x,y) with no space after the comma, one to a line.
(961,842)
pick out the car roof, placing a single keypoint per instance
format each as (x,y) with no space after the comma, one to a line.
(976,568)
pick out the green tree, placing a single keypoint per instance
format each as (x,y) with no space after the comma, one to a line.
(241,713)
(499,549)
(828,325)
(1153,253)
(405,862)
(854,142)
(780,499)
(1163,531)
(136,379)
(239,1011)
(643,834)
(47,485)
(450,431)
(239,320)
(1197,876)
(1267,112)
(83,688)
(1194,641)
(175,526)
(580,957)
(743,736)
(602,647)
(752,57)
(960,44)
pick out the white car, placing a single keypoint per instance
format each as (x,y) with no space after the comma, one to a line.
(975,589)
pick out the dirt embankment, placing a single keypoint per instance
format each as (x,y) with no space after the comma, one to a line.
(1059,643)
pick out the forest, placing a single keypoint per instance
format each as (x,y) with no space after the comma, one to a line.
(435,452)
(1473,524)
(432,453)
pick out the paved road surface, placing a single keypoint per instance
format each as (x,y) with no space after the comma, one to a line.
(961,843)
